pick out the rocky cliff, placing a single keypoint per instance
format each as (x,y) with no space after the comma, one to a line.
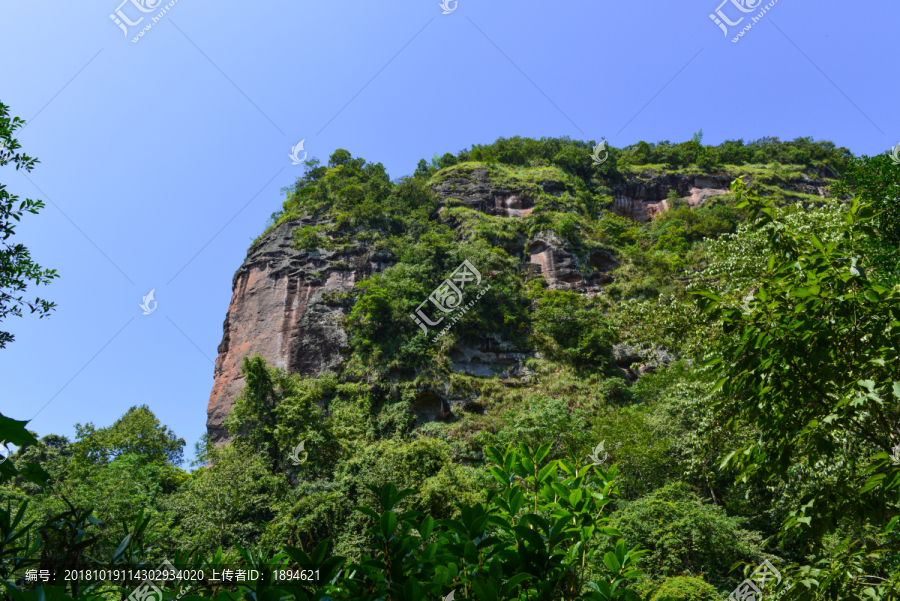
(279,311)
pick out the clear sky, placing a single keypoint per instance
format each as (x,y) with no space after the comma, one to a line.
(161,159)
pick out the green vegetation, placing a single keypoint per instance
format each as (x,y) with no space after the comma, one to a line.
(17,268)
(762,426)
(878,179)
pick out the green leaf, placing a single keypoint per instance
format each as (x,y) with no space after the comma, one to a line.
(426,527)
(542,453)
(34,473)
(891,525)
(369,512)
(817,243)
(499,475)
(513,582)
(412,590)
(494,454)
(14,432)
(719,384)
(548,472)
(612,562)
(727,459)
(121,548)
(872,482)
(484,589)
(708,294)
(388,523)
(470,552)
(527,465)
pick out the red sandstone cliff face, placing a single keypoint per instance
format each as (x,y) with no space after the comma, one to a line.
(550,259)
(641,200)
(277,311)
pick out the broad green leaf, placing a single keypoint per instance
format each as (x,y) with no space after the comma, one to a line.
(388,524)
(612,562)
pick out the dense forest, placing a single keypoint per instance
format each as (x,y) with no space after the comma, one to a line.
(727,394)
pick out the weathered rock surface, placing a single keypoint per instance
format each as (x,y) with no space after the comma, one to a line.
(626,356)
(549,258)
(488,357)
(429,406)
(278,311)
(546,254)
(643,197)
(475,189)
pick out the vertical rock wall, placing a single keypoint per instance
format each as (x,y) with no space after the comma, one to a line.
(278,311)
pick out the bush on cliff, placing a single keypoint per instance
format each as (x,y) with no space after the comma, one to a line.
(686,588)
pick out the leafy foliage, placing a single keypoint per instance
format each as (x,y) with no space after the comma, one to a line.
(877,181)
(17,268)
(683,535)
(802,151)
(137,433)
(686,588)
(570,328)
(809,361)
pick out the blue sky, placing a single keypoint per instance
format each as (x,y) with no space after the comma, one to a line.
(162,159)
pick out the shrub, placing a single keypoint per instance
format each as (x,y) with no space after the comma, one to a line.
(570,327)
(686,588)
(675,201)
(683,534)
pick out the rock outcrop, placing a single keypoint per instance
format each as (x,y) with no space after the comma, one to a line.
(627,356)
(474,188)
(642,197)
(278,310)
(552,260)
(489,357)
